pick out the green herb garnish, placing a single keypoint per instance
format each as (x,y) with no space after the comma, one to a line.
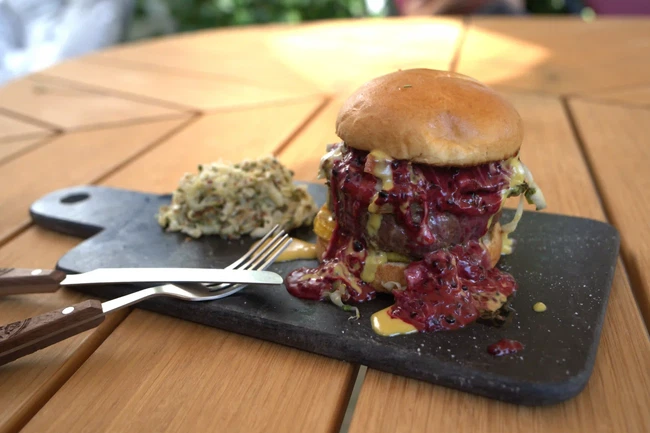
(517,190)
(351,308)
(529,195)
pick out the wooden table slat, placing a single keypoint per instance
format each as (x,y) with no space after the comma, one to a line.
(306,149)
(635,95)
(180,59)
(14,148)
(168,88)
(187,377)
(12,129)
(42,99)
(616,143)
(560,55)
(329,56)
(79,158)
(28,383)
(68,160)
(228,136)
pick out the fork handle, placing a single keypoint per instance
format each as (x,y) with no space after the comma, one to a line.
(14,281)
(27,336)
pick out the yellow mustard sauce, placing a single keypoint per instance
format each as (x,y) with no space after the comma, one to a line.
(387,326)
(342,271)
(297,250)
(539,307)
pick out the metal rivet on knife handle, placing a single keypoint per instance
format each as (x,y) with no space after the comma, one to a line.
(21,338)
(14,281)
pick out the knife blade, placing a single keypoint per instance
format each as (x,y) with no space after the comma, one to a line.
(15,280)
(171,275)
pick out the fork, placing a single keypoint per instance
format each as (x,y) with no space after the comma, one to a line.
(21,338)
(252,260)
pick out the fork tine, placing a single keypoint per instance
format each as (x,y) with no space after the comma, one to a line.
(252,255)
(229,289)
(268,248)
(254,250)
(274,252)
(275,255)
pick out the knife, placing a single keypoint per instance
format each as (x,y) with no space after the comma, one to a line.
(21,338)
(19,281)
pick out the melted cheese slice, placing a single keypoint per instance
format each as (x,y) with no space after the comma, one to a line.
(382,169)
(373,260)
(331,156)
(506,229)
(396,257)
(520,175)
(387,326)
(372,207)
(373,224)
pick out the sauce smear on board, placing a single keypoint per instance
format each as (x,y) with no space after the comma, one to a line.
(505,347)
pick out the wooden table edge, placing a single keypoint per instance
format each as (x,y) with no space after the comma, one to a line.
(65,372)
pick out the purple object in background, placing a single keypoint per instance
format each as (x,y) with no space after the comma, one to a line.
(601,7)
(619,7)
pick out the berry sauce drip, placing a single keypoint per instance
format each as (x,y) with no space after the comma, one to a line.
(447,288)
(504,347)
(422,201)
(341,266)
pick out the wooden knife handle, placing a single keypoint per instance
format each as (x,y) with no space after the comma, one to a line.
(27,336)
(15,281)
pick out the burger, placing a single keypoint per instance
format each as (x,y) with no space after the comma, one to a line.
(416,188)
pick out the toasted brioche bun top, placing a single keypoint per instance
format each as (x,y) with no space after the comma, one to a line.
(432,117)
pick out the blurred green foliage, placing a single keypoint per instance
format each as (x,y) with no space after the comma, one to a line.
(554,6)
(189,15)
(199,14)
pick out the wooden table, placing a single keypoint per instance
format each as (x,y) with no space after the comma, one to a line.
(139,116)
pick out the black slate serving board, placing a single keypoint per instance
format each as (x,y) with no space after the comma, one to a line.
(567,263)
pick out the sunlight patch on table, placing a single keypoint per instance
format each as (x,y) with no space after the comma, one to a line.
(339,56)
(492,60)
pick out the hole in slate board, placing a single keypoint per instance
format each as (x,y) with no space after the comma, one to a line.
(75,198)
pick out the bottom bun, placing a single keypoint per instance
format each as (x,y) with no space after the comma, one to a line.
(390,275)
